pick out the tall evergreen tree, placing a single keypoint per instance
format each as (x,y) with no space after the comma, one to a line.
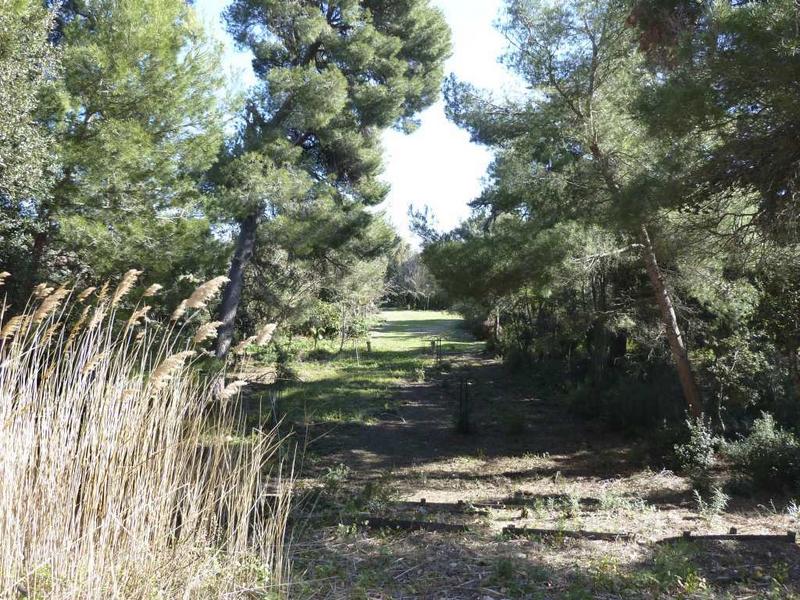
(333,75)
(574,150)
(731,69)
(28,65)
(136,122)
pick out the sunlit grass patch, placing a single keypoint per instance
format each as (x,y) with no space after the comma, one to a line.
(356,385)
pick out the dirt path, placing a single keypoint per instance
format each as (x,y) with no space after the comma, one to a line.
(527,464)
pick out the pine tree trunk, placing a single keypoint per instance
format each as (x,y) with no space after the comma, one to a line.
(599,351)
(676,342)
(232,296)
(40,243)
(794,371)
(343,329)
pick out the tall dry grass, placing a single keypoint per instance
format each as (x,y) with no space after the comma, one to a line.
(120,474)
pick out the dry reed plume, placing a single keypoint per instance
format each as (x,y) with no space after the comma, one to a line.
(119,479)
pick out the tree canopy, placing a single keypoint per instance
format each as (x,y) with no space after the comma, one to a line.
(333,75)
(639,219)
(654,149)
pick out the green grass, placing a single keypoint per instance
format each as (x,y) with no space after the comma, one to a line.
(352,386)
(408,330)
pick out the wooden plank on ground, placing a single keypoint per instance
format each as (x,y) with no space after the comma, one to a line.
(408,525)
(789,536)
(577,534)
(459,507)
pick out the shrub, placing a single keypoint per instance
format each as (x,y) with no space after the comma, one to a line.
(716,504)
(322,323)
(626,402)
(697,456)
(769,456)
(121,478)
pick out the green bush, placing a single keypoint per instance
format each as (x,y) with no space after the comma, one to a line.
(628,403)
(322,322)
(697,455)
(769,456)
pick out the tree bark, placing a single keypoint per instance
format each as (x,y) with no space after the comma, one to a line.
(343,328)
(232,295)
(677,344)
(40,242)
(794,371)
(249,227)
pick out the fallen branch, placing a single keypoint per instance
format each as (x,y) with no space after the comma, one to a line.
(579,534)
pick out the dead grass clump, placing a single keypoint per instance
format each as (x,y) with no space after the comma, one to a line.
(119,477)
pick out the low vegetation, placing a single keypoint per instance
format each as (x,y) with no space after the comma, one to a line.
(360,384)
(555,474)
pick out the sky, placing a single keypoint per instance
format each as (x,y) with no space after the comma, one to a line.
(436,166)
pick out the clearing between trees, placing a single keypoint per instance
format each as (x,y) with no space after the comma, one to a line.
(173,230)
(396,503)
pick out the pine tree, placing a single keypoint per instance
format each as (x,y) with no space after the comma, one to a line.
(574,149)
(136,122)
(730,69)
(333,75)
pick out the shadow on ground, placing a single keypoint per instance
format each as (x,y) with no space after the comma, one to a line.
(420,428)
(394,442)
(415,565)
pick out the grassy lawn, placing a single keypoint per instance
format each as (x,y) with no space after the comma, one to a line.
(408,330)
(356,385)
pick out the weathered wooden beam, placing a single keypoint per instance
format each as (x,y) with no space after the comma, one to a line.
(408,525)
(459,507)
(578,534)
(789,536)
(530,501)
